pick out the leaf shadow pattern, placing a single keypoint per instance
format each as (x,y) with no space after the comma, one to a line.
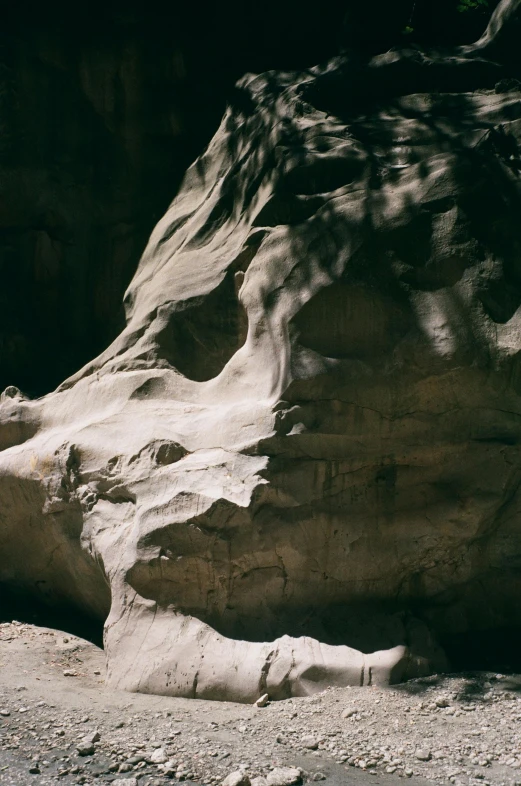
(334,140)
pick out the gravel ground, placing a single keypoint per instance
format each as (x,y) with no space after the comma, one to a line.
(60,724)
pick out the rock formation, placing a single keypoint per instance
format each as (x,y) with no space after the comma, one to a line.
(308,431)
(102,109)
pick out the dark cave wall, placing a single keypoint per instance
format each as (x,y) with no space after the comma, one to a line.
(93,143)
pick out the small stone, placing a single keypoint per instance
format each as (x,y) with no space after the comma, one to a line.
(262,700)
(135,760)
(311,743)
(70,673)
(126,767)
(5,713)
(85,748)
(318,776)
(422,755)
(238,778)
(91,738)
(125,782)
(442,702)
(34,770)
(348,713)
(159,756)
(283,776)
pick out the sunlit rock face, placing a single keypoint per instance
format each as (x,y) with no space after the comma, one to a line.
(299,463)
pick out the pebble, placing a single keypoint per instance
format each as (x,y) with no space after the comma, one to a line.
(135,760)
(284,776)
(85,748)
(238,778)
(158,756)
(90,739)
(422,755)
(262,701)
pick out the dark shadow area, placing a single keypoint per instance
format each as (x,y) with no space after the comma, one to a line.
(16,605)
(205,335)
(487,661)
(346,321)
(199,336)
(495,649)
(474,686)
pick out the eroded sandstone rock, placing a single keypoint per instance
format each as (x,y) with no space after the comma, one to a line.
(304,446)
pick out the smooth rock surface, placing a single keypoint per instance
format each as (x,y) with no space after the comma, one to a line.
(283,776)
(309,428)
(238,778)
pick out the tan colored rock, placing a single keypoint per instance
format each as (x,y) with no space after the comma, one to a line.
(238,778)
(159,756)
(284,776)
(312,419)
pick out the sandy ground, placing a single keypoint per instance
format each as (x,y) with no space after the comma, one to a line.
(454,729)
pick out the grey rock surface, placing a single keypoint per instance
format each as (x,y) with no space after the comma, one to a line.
(310,425)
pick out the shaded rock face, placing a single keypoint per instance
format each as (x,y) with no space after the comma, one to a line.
(308,431)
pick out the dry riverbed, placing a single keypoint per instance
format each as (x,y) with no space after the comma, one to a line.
(59,724)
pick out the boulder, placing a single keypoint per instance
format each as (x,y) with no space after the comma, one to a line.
(299,462)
